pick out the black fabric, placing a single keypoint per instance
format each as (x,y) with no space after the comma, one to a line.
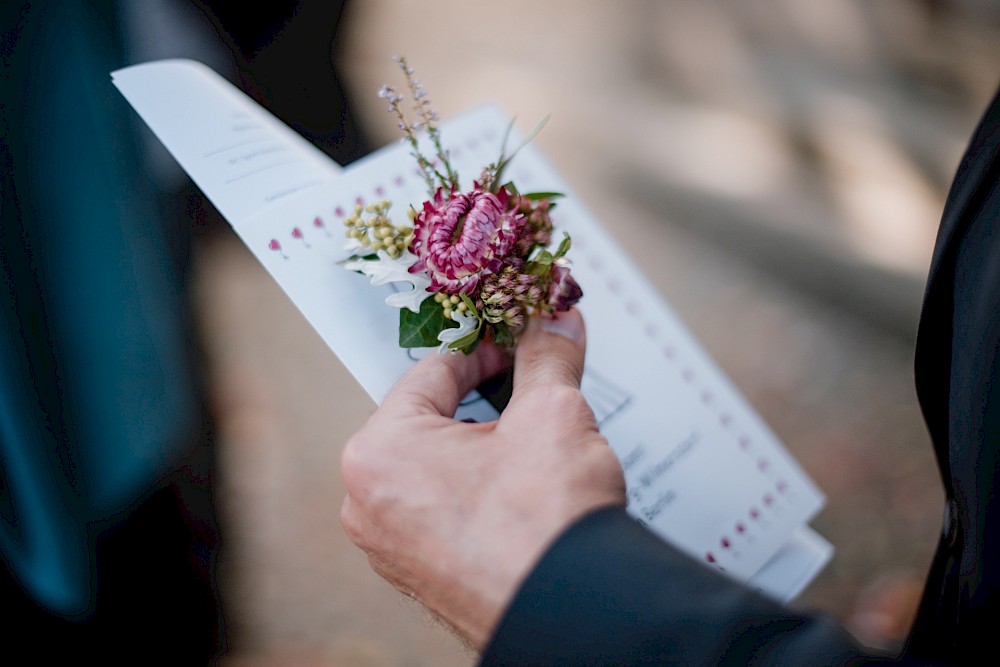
(155,591)
(609,593)
(957,357)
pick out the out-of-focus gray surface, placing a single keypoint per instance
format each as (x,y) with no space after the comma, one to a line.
(777,169)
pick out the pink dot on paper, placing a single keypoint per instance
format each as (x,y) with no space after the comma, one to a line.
(754,513)
(339,212)
(709,557)
(744,442)
(399,181)
(318,222)
(274,245)
(782,486)
(706,397)
(725,419)
(725,543)
(741,528)
(360,201)
(379,190)
(669,352)
(297,233)
(688,374)
(768,499)
(763,464)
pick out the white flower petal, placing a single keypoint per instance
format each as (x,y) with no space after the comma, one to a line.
(467,323)
(355,264)
(389,270)
(385,269)
(411,299)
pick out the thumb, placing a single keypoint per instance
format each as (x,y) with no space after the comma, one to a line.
(550,352)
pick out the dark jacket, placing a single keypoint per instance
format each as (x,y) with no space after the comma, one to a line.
(609,593)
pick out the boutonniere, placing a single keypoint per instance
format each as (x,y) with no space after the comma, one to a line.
(478,261)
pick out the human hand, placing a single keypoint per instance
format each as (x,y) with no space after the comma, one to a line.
(455,515)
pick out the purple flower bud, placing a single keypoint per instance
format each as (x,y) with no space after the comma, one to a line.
(564,291)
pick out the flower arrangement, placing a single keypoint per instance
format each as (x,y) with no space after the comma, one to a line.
(478,260)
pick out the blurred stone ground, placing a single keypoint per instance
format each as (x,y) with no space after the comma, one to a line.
(776,168)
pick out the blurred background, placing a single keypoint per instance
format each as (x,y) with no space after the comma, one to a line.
(777,169)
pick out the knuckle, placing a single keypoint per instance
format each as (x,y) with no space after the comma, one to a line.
(350,458)
(559,409)
(566,396)
(355,465)
(568,402)
(350,521)
(555,369)
(557,398)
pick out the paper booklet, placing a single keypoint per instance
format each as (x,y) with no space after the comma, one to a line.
(702,469)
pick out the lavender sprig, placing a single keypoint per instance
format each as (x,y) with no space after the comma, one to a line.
(428,120)
(427,171)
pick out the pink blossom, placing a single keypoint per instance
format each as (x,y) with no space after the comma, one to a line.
(564,291)
(462,238)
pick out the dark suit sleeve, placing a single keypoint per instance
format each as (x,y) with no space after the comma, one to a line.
(608,592)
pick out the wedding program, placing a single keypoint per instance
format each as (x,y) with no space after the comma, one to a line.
(703,471)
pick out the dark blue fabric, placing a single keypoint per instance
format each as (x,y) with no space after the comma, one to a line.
(95,389)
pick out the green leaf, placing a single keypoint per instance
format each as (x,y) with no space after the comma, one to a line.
(472,338)
(531,135)
(564,246)
(536,196)
(471,305)
(542,257)
(469,349)
(421,329)
(502,335)
(503,145)
(470,341)
(504,158)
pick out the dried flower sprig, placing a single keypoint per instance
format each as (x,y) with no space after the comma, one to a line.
(428,119)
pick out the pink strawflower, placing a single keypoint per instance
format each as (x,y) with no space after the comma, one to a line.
(462,238)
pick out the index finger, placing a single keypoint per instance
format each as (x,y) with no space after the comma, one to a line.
(438,382)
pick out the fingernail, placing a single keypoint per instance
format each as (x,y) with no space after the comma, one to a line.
(568,324)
